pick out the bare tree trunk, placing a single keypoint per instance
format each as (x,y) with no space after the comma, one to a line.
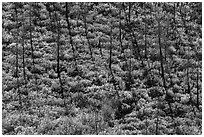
(188,57)
(31,38)
(23,46)
(110,54)
(133,36)
(162,65)
(96,121)
(57,27)
(86,32)
(197,85)
(70,36)
(157,124)
(17,73)
(120,38)
(100,45)
(145,35)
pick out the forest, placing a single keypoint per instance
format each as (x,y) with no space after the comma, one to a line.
(101,68)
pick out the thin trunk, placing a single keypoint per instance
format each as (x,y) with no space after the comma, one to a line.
(128,19)
(165,46)
(120,39)
(188,77)
(31,38)
(78,28)
(110,62)
(129,12)
(197,85)
(174,21)
(130,63)
(178,42)
(22,43)
(146,128)
(57,27)
(110,53)
(133,42)
(70,36)
(31,43)
(161,57)
(145,36)
(157,120)
(58,44)
(86,32)
(133,36)
(24,72)
(73,51)
(130,75)
(17,75)
(100,46)
(162,65)
(174,13)
(157,124)
(188,51)
(175,27)
(96,122)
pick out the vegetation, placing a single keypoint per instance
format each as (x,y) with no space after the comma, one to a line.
(101,68)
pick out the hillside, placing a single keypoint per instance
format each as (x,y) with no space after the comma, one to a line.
(101,68)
